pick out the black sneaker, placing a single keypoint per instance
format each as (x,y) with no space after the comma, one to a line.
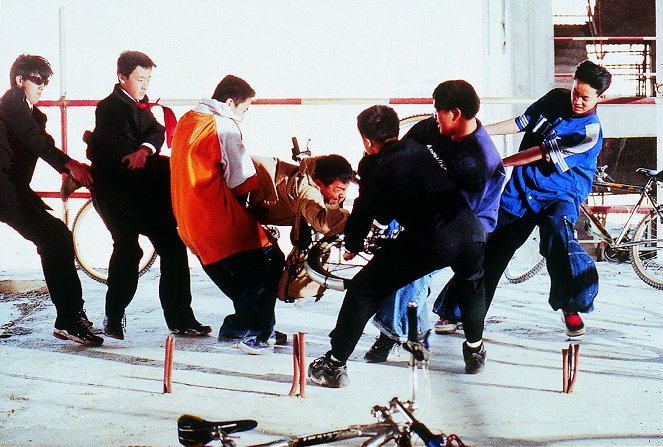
(114,328)
(280,338)
(78,332)
(88,323)
(194,329)
(475,358)
(327,372)
(379,351)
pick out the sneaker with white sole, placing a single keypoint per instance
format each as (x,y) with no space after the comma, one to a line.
(78,332)
(443,326)
(574,325)
(327,372)
(255,347)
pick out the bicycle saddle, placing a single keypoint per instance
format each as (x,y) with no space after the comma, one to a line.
(193,430)
(651,173)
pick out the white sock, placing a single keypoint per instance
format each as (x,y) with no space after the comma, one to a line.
(474,344)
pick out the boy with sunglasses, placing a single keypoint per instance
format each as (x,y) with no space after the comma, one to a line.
(23,139)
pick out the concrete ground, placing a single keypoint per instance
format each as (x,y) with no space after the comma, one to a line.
(57,393)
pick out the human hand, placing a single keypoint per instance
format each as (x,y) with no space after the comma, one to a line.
(80,172)
(349,256)
(136,160)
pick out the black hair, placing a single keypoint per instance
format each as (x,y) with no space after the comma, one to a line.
(27,64)
(232,87)
(457,94)
(378,123)
(333,167)
(129,60)
(593,74)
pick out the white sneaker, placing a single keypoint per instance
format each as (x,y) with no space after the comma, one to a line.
(255,346)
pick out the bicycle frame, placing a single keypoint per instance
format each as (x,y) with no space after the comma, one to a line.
(621,242)
(193,431)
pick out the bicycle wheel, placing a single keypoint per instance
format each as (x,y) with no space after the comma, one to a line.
(647,254)
(406,123)
(526,261)
(325,265)
(93,245)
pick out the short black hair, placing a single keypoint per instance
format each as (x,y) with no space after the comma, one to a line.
(333,167)
(129,60)
(378,123)
(593,74)
(27,64)
(457,94)
(232,87)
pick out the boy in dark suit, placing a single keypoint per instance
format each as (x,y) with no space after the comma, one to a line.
(132,196)
(23,139)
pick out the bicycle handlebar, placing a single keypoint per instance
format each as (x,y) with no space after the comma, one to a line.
(430,439)
(297,153)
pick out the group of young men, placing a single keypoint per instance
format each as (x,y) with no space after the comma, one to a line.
(443,183)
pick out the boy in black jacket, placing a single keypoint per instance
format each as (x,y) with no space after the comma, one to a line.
(132,196)
(401,180)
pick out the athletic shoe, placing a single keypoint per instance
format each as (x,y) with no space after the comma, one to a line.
(278,338)
(475,358)
(83,316)
(443,326)
(574,325)
(327,372)
(114,328)
(255,346)
(194,329)
(379,351)
(78,332)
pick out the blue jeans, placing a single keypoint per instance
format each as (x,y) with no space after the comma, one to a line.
(391,317)
(250,280)
(574,280)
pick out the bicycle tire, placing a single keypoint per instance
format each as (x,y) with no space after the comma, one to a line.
(93,245)
(526,262)
(325,265)
(405,124)
(647,253)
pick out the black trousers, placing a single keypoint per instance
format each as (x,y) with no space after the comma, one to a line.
(174,281)
(56,249)
(398,264)
(250,279)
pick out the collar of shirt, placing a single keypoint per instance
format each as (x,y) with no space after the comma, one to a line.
(127,93)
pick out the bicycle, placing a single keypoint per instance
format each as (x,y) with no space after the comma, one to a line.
(526,262)
(638,243)
(196,432)
(324,261)
(93,245)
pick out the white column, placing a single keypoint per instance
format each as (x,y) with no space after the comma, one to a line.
(519,59)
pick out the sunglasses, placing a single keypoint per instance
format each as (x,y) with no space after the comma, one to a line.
(37,80)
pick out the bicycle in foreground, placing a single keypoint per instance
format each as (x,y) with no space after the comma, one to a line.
(395,425)
(637,242)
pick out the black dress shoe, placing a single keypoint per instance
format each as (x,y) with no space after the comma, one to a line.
(194,329)
(114,328)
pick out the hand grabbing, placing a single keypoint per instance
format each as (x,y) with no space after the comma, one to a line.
(82,173)
(136,160)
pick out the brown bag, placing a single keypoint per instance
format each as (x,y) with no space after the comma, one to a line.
(295,282)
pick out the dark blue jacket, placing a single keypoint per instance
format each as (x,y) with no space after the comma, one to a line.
(474,164)
(403,182)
